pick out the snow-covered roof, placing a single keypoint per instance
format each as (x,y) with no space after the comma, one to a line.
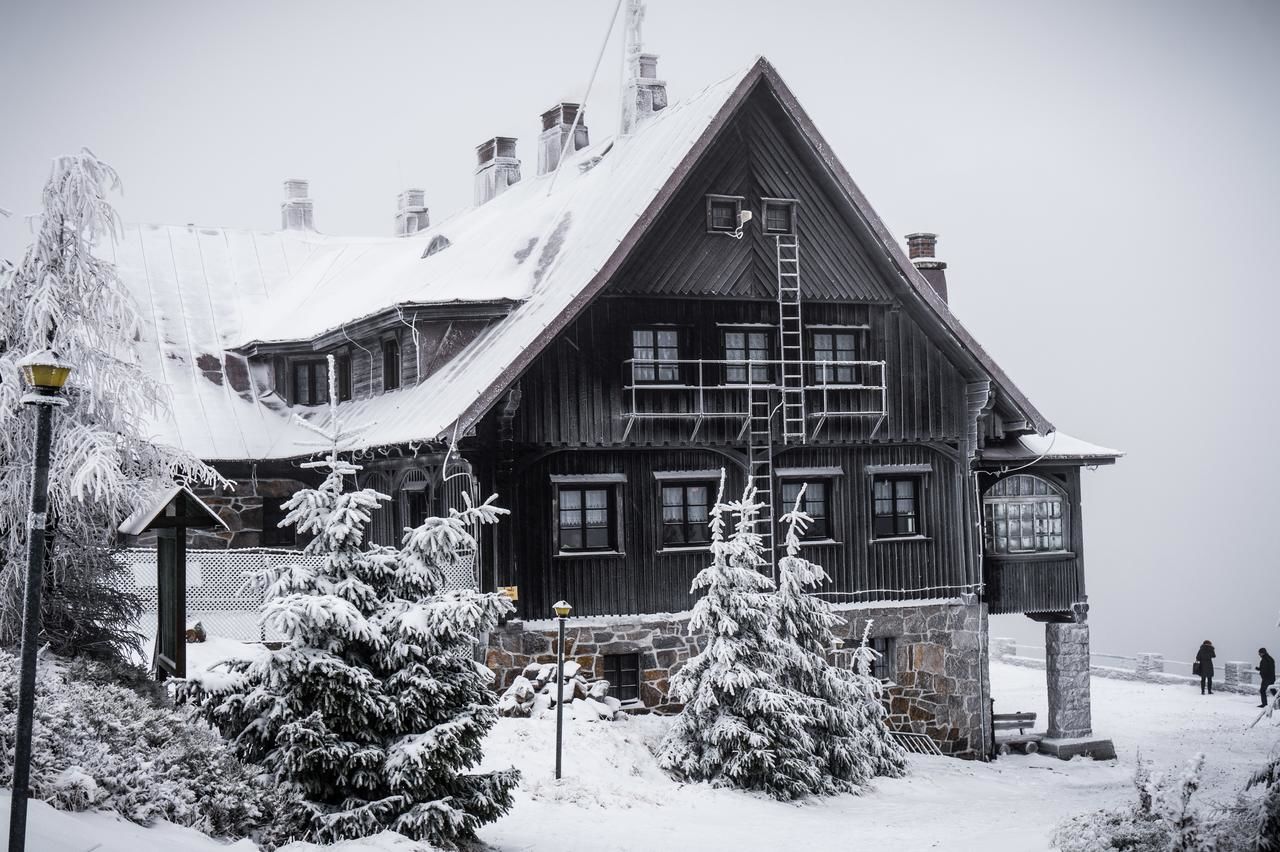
(206,293)
(140,519)
(1056,446)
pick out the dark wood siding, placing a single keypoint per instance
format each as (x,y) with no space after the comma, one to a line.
(644,579)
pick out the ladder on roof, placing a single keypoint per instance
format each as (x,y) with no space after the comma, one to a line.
(760,465)
(791,340)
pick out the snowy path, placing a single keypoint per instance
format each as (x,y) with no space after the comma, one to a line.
(614,797)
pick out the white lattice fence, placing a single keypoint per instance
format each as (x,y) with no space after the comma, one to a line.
(219,595)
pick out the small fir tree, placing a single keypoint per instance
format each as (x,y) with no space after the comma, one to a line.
(376,708)
(741,725)
(64,297)
(852,742)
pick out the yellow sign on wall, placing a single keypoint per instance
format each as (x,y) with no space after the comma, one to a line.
(512,592)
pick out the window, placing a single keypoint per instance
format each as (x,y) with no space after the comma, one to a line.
(623,673)
(779,216)
(281,376)
(896,510)
(722,213)
(746,346)
(272,514)
(390,365)
(1024,514)
(310,382)
(586,520)
(686,513)
(343,366)
(883,666)
(654,352)
(836,346)
(815,504)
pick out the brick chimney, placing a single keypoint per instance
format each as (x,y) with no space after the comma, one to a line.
(411,212)
(296,209)
(497,168)
(557,123)
(645,94)
(921,247)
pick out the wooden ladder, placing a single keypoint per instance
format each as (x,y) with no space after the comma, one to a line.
(791,340)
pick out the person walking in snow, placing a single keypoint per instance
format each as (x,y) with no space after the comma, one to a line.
(1266,672)
(1204,666)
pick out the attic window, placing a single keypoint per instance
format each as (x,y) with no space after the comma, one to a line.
(722,213)
(390,365)
(438,243)
(779,216)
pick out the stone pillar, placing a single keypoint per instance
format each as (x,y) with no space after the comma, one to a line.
(1003,646)
(1149,663)
(1067,674)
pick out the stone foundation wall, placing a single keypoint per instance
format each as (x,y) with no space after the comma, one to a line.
(939,680)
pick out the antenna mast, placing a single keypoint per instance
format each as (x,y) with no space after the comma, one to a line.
(632,47)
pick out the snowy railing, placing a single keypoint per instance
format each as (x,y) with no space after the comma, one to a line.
(1232,676)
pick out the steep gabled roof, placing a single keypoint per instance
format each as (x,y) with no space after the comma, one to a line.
(207,293)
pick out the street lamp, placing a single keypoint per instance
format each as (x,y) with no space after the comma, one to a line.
(45,374)
(562,611)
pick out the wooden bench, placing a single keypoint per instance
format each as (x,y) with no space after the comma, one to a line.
(1003,723)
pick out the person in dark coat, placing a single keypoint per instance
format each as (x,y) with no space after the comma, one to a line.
(1266,672)
(1204,666)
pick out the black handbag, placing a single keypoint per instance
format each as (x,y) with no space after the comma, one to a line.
(1195,667)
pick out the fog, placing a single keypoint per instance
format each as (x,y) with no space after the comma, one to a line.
(1103,177)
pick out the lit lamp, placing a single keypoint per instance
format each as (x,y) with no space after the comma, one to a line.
(46,374)
(562,611)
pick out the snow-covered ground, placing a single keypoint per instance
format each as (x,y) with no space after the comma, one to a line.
(613,797)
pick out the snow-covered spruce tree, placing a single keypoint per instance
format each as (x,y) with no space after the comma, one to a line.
(849,732)
(376,708)
(64,297)
(741,725)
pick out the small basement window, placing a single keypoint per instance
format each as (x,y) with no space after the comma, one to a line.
(623,673)
(310,382)
(722,213)
(882,667)
(779,215)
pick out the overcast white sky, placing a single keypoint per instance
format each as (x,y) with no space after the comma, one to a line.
(1103,177)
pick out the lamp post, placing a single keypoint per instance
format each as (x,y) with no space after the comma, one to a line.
(45,373)
(562,611)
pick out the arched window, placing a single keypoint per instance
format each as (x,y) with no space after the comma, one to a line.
(414,495)
(390,365)
(1025,514)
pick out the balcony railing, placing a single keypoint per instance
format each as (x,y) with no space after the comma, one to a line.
(699,389)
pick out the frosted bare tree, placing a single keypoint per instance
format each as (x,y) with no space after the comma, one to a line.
(64,296)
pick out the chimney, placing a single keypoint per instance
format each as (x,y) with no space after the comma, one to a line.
(920,247)
(497,168)
(296,210)
(645,94)
(411,212)
(557,123)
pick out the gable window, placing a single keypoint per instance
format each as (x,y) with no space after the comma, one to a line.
(816,504)
(882,667)
(746,345)
(273,535)
(623,673)
(342,364)
(779,216)
(310,382)
(390,364)
(896,506)
(586,518)
(723,212)
(1024,514)
(655,352)
(685,514)
(836,346)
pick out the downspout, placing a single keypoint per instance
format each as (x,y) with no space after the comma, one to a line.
(978,399)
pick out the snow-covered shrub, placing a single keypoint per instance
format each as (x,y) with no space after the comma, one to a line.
(533,693)
(97,744)
(742,725)
(851,740)
(376,708)
(64,296)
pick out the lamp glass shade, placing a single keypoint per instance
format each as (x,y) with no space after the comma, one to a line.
(562,609)
(45,371)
